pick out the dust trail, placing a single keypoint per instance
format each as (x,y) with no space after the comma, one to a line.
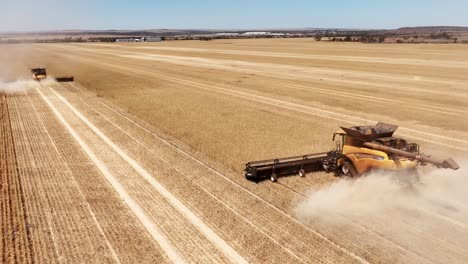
(19,86)
(381,191)
(429,217)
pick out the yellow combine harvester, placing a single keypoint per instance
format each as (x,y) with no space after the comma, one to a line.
(39,74)
(361,149)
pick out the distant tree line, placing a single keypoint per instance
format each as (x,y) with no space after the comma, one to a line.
(369,36)
(358,38)
(52,40)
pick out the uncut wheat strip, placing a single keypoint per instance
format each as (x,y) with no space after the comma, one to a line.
(74,205)
(63,206)
(48,208)
(4,194)
(53,200)
(46,167)
(268,220)
(160,168)
(20,220)
(44,181)
(60,188)
(129,238)
(3,174)
(17,207)
(207,231)
(8,232)
(44,243)
(8,222)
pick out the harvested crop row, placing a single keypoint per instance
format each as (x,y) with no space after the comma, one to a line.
(16,224)
(124,232)
(55,192)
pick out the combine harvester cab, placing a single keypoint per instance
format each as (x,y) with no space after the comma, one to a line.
(361,149)
(39,74)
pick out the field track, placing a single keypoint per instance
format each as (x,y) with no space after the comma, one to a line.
(95,179)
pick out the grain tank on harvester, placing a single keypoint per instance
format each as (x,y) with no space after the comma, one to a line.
(39,74)
(361,149)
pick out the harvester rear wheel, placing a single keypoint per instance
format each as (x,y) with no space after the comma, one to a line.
(348,169)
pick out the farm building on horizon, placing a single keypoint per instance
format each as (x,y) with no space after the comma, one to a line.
(125,40)
(143,39)
(151,39)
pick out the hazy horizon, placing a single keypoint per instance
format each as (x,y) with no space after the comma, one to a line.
(54,15)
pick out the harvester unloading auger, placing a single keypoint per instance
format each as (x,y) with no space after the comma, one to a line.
(39,74)
(362,149)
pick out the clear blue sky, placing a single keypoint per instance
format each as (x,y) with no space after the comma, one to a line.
(26,15)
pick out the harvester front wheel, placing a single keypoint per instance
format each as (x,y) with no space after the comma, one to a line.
(348,169)
(273,177)
(301,173)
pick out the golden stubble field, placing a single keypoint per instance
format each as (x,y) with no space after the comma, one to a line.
(170,125)
(237,100)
